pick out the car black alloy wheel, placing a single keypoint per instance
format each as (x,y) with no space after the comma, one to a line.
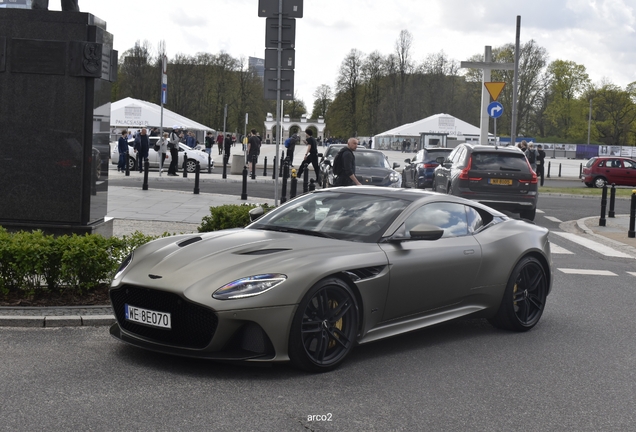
(524,298)
(325,327)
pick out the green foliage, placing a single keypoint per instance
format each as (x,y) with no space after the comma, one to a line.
(228,216)
(32,261)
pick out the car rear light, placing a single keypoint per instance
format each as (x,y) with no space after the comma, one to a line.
(429,165)
(463,175)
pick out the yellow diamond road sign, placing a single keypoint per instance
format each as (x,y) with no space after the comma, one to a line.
(494,88)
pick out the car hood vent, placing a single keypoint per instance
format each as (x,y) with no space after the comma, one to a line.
(365,272)
(189,241)
(264,251)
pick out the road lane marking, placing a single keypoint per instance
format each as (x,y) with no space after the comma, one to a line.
(632,273)
(553,219)
(591,244)
(588,272)
(556,249)
(540,211)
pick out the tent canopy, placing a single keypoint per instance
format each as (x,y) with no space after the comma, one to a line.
(438,123)
(135,113)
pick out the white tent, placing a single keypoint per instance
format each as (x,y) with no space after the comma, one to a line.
(135,113)
(445,125)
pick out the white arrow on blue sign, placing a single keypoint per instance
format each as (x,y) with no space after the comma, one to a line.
(495,109)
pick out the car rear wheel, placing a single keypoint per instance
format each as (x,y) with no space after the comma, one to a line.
(524,298)
(599,182)
(324,328)
(528,214)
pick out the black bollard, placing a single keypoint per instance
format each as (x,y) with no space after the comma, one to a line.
(127,166)
(209,163)
(146,168)
(185,165)
(312,185)
(265,167)
(197,170)
(580,170)
(602,220)
(254,167)
(305,179)
(612,199)
(280,168)
(294,184)
(559,170)
(549,163)
(225,166)
(632,216)
(274,168)
(244,190)
(284,187)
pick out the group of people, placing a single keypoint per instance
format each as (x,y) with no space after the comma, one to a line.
(536,157)
(167,143)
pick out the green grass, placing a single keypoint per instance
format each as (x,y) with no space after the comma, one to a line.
(622,191)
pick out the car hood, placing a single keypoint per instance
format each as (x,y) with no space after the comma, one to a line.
(197,265)
(377,176)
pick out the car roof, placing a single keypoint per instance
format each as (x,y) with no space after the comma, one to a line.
(490,148)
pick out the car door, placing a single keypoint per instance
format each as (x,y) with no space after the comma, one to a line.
(411,169)
(628,173)
(430,274)
(442,172)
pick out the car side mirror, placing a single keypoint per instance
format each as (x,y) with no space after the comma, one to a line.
(440,160)
(327,162)
(256,212)
(396,165)
(408,161)
(426,232)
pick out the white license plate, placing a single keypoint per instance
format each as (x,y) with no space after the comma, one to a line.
(148,317)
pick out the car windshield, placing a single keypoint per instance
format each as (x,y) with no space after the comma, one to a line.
(370,160)
(493,161)
(340,215)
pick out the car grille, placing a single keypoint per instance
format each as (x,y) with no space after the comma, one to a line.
(371,180)
(193,326)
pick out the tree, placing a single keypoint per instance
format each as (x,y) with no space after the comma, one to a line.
(138,73)
(294,107)
(348,85)
(323,99)
(614,114)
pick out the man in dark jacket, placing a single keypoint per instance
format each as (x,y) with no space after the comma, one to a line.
(290,149)
(122,148)
(227,146)
(253,149)
(141,148)
(311,155)
(540,162)
(347,177)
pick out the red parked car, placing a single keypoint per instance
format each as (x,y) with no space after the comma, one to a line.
(611,169)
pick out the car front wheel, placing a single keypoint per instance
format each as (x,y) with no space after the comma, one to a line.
(524,298)
(191,165)
(325,327)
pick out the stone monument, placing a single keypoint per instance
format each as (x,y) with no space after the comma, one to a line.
(56,74)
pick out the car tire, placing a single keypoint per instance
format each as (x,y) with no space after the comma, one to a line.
(132,163)
(528,214)
(599,182)
(404,182)
(325,327)
(524,299)
(191,165)
(589,184)
(416,183)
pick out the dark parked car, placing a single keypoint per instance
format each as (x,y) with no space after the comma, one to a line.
(601,170)
(372,168)
(420,171)
(500,177)
(329,270)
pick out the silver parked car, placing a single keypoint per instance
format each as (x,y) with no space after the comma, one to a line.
(154,159)
(330,269)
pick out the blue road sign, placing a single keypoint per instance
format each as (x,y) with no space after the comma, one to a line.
(495,109)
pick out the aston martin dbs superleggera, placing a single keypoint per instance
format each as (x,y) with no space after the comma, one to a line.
(330,269)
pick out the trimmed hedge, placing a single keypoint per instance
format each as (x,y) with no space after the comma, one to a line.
(228,216)
(33,260)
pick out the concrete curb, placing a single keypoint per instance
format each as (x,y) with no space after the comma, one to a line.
(57,321)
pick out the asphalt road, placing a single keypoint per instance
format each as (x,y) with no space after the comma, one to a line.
(574,371)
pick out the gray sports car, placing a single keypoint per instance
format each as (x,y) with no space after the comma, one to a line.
(328,270)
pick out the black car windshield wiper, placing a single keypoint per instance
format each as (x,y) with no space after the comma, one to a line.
(503,168)
(296,231)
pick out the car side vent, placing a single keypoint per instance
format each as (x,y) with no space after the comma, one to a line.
(264,251)
(365,272)
(189,241)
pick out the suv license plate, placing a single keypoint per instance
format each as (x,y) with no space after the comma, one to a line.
(506,182)
(148,317)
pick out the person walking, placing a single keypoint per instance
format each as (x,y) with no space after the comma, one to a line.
(311,155)
(142,146)
(253,150)
(531,154)
(173,146)
(219,142)
(122,148)
(209,142)
(345,167)
(290,149)
(540,162)
(227,146)
(163,150)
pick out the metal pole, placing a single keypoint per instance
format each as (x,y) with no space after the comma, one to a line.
(278,89)
(602,220)
(485,98)
(223,143)
(244,135)
(515,89)
(612,199)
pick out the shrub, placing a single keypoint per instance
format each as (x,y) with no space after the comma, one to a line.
(228,216)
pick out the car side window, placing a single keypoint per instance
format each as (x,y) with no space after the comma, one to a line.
(460,157)
(451,156)
(475,221)
(629,164)
(450,217)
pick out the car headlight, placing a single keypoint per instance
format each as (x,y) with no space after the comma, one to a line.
(249,286)
(394,177)
(124,265)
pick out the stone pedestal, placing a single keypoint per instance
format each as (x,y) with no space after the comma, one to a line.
(56,73)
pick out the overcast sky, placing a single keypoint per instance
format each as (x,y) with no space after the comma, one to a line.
(599,34)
